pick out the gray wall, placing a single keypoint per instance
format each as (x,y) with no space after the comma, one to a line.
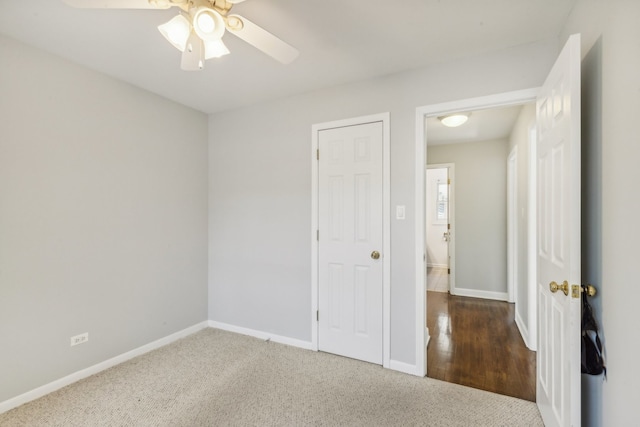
(620,211)
(480,214)
(260,188)
(611,145)
(103,217)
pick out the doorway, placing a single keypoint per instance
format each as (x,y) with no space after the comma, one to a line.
(484,151)
(434,111)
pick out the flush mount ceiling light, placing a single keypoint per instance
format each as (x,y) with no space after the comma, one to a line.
(198,30)
(454,120)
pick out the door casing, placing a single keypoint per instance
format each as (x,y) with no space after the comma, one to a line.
(386,221)
(491,101)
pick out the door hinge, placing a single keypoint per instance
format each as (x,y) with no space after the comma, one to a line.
(318,154)
(449,181)
(448,271)
(317,315)
(448,226)
(318,235)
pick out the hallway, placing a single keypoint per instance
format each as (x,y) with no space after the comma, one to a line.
(475,342)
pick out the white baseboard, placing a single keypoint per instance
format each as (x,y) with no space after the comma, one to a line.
(437,265)
(84,373)
(474,293)
(307,345)
(393,364)
(524,331)
(403,367)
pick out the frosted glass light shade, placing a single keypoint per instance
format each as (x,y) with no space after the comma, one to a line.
(214,49)
(454,120)
(176,31)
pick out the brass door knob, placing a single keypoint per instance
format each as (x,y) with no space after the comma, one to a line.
(554,287)
(590,290)
(375,254)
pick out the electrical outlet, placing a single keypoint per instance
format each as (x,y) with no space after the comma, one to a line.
(80,339)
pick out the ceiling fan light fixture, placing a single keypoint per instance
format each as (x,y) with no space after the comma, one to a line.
(454,120)
(208,24)
(176,31)
(214,49)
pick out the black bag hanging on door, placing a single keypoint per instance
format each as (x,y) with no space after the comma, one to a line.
(592,358)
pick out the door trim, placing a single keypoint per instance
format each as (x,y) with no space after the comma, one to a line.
(386,225)
(490,101)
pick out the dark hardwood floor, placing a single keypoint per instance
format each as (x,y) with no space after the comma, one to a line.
(475,342)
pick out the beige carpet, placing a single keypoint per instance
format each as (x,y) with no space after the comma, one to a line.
(216,378)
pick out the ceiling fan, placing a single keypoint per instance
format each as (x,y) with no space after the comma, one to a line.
(198,29)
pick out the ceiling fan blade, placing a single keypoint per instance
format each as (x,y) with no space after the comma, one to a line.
(261,39)
(122,4)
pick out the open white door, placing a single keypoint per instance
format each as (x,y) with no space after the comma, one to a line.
(350,248)
(558,241)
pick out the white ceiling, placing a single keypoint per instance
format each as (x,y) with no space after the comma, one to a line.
(483,125)
(339,42)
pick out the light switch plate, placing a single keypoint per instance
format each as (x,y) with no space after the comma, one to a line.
(400,212)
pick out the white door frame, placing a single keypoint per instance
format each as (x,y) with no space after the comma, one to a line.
(451,173)
(512,226)
(498,100)
(386,226)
